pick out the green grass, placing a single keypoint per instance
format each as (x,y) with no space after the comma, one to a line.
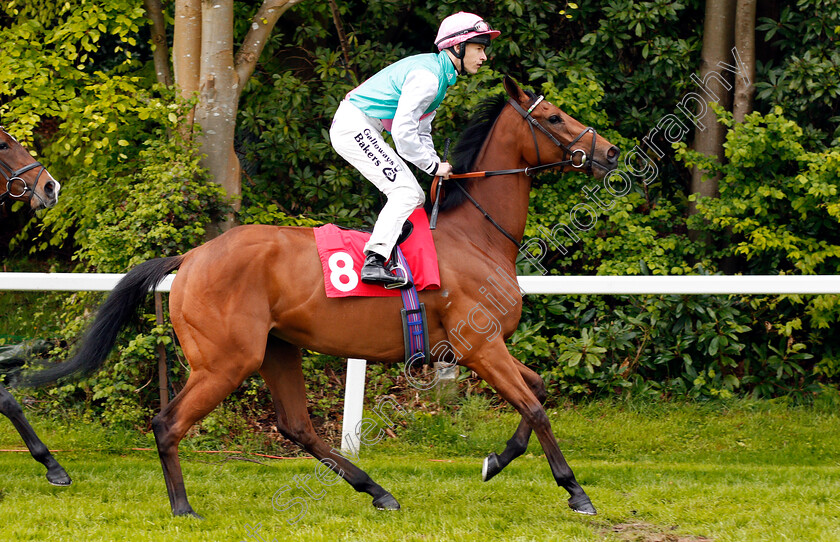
(736,471)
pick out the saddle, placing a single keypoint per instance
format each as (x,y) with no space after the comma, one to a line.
(407,228)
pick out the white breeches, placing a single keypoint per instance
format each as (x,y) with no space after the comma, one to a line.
(358,139)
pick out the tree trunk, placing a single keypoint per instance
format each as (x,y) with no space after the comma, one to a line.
(218,95)
(342,37)
(254,42)
(717,44)
(186,52)
(745,46)
(154,9)
(204,62)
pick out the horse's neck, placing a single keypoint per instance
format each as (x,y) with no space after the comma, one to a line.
(504,197)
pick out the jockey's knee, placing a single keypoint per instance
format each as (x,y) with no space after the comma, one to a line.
(421,197)
(406,196)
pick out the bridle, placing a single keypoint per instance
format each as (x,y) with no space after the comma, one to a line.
(569,155)
(11,175)
(585,160)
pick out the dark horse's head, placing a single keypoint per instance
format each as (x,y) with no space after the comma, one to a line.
(24,178)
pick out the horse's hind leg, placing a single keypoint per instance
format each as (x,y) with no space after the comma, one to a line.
(204,390)
(282,371)
(518,443)
(56,474)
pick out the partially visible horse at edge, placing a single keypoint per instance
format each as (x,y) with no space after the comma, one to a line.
(249,300)
(26,179)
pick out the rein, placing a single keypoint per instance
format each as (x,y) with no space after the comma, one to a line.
(488,217)
(585,161)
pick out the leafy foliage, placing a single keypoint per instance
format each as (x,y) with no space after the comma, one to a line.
(804,74)
(132,189)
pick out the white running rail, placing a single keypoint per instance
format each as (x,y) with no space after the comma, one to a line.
(553,285)
(354,392)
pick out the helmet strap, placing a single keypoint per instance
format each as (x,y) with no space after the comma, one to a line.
(459,55)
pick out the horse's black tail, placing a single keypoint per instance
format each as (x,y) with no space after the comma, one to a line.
(117,310)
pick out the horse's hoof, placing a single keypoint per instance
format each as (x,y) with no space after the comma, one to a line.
(386,502)
(582,505)
(491,467)
(58,477)
(187,512)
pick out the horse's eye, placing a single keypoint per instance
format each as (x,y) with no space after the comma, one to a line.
(555,119)
(3,145)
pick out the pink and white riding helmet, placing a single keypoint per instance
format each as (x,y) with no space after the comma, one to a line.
(462,27)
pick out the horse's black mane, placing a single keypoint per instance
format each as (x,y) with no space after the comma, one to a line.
(473,136)
(468,146)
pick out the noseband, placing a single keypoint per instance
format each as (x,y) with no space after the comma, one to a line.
(12,175)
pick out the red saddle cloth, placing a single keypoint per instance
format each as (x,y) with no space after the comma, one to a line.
(342,256)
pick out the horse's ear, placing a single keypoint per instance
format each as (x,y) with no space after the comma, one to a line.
(514,91)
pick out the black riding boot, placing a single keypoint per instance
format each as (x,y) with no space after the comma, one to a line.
(374,272)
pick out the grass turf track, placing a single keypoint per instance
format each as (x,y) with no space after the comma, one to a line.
(740,470)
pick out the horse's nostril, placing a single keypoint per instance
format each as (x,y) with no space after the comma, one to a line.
(51,189)
(612,153)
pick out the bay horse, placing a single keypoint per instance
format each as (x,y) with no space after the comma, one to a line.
(28,180)
(249,301)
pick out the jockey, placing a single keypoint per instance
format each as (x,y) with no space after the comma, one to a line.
(402,99)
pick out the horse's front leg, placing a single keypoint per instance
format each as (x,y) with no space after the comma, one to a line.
(494,365)
(518,443)
(56,475)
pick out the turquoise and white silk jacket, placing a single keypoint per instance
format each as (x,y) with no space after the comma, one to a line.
(405,96)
